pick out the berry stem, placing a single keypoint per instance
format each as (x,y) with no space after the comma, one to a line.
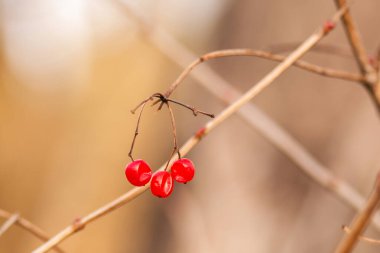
(195,111)
(175,141)
(142,105)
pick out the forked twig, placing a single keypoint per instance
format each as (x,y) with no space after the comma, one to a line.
(361,221)
(162,100)
(361,237)
(226,113)
(356,43)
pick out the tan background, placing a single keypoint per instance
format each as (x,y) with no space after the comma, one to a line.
(71,71)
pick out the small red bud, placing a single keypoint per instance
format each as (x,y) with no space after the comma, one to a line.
(199,134)
(328,26)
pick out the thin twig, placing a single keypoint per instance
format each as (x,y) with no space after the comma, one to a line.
(30,227)
(356,44)
(194,110)
(142,105)
(372,79)
(266,55)
(330,49)
(8,223)
(225,114)
(361,221)
(157,34)
(175,144)
(361,237)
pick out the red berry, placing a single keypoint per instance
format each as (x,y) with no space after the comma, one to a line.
(183,170)
(162,184)
(138,172)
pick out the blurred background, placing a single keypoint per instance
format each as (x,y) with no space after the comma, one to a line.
(70,71)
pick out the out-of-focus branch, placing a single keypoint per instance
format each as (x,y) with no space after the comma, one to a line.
(328,72)
(8,223)
(225,114)
(30,227)
(361,221)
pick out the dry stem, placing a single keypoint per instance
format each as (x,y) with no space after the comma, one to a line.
(330,49)
(360,222)
(357,44)
(328,72)
(174,129)
(137,128)
(256,89)
(30,227)
(361,238)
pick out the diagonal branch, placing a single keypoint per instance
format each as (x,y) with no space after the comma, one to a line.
(329,49)
(225,114)
(357,44)
(361,221)
(8,223)
(30,227)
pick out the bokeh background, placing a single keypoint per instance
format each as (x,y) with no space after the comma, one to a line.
(71,70)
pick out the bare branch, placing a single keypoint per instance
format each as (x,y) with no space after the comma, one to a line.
(330,49)
(357,44)
(30,227)
(225,114)
(328,72)
(361,221)
(361,238)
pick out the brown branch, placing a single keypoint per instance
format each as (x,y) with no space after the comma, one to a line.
(329,49)
(328,72)
(357,45)
(225,114)
(361,221)
(361,237)
(30,227)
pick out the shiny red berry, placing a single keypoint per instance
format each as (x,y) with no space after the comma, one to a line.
(183,170)
(138,172)
(162,184)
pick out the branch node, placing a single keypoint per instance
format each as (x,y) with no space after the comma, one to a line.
(200,133)
(328,26)
(78,224)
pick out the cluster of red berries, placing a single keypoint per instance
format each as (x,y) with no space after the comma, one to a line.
(139,173)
